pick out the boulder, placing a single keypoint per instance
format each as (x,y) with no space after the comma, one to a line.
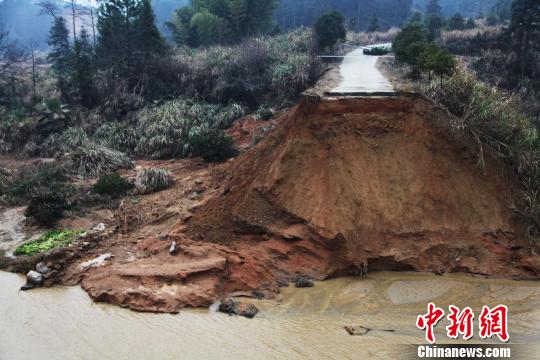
(34,278)
(303,282)
(42,268)
(234,307)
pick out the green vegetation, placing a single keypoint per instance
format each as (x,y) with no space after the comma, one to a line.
(152,180)
(51,240)
(213,145)
(411,47)
(46,207)
(495,119)
(210,22)
(329,29)
(113,185)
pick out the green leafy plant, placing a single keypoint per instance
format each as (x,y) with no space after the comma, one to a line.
(113,185)
(51,240)
(377,51)
(213,145)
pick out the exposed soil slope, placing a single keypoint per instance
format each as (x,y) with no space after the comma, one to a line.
(340,187)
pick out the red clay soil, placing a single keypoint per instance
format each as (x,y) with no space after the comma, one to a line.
(340,187)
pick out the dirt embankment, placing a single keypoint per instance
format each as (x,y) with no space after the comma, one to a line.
(340,187)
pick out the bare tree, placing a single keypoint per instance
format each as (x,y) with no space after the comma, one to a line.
(48,8)
(88,13)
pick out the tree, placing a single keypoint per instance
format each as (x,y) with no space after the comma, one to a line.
(492,19)
(456,22)
(525,31)
(434,8)
(59,54)
(207,22)
(416,17)
(374,25)
(128,37)
(470,24)
(329,28)
(409,42)
(83,70)
(436,60)
(11,56)
(147,36)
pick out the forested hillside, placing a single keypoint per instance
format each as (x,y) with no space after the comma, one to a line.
(291,13)
(468,8)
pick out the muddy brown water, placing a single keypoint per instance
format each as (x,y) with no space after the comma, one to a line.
(63,323)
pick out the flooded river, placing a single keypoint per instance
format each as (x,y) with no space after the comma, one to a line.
(63,323)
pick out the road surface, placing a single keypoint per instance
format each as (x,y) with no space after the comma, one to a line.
(359,74)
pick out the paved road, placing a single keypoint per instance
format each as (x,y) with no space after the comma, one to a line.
(360,74)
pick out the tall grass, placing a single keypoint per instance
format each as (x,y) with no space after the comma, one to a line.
(495,119)
(371,38)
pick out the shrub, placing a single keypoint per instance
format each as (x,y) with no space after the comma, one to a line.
(264,113)
(152,180)
(69,140)
(113,185)
(36,178)
(329,28)
(117,135)
(213,145)
(93,160)
(164,131)
(46,207)
(409,42)
(51,240)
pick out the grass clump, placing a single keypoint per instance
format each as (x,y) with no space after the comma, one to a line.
(93,160)
(152,180)
(69,140)
(51,240)
(47,207)
(113,185)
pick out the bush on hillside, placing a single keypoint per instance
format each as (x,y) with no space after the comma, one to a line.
(213,145)
(67,141)
(46,207)
(113,185)
(152,180)
(118,136)
(93,160)
(36,178)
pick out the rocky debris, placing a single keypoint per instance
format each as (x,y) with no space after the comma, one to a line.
(42,268)
(99,227)
(173,249)
(303,282)
(96,262)
(362,330)
(33,279)
(198,182)
(234,307)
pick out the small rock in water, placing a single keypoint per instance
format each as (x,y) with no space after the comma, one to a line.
(357,330)
(42,268)
(233,307)
(27,287)
(303,282)
(173,248)
(34,278)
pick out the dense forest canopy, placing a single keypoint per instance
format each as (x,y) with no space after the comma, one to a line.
(294,13)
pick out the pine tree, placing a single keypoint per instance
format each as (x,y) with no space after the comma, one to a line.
(525,29)
(59,55)
(238,12)
(83,71)
(433,8)
(148,39)
(456,22)
(374,25)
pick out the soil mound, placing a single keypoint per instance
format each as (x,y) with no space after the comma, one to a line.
(340,187)
(379,182)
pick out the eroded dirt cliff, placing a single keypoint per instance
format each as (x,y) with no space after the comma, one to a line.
(340,187)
